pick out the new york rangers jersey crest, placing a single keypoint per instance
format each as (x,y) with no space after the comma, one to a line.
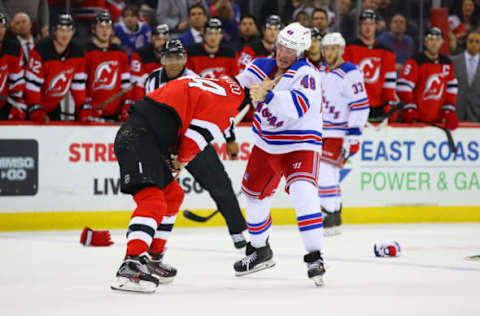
(290,118)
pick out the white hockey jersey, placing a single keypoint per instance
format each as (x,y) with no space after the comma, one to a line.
(158,78)
(344,98)
(290,119)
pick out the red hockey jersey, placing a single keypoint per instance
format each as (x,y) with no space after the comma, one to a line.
(50,76)
(377,64)
(107,73)
(12,82)
(428,84)
(251,51)
(209,65)
(143,62)
(205,108)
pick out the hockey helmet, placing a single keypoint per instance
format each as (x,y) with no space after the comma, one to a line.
(161,29)
(296,37)
(273,21)
(3,19)
(213,24)
(434,32)
(64,19)
(332,39)
(103,18)
(172,48)
(368,14)
(316,33)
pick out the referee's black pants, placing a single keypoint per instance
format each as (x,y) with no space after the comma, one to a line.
(208,170)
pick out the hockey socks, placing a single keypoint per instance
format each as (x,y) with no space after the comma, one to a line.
(259,220)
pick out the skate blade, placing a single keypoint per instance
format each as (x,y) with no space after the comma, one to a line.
(260,267)
(318,280)
(328,232)
(164,280)
(124,284)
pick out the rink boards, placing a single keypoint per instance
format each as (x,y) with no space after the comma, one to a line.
(66,176)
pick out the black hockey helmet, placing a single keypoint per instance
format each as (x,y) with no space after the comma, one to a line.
(213,24)
(3,19)
(316,33)
(161,29)
(173,47)
(103,17)
(434,31)
(64,19)
(368,14)
(273,21)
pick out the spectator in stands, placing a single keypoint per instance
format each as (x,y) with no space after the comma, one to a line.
(84,13)
(320,20)
(261,47)
(229,14)
(56,66)
(12,76)
(212,58)
(107,71)
(343,23)
(248,32)
(465,18)
(174,13)
(467,72)
(37,10)
(146,59)
(22,28)
(197,17)
(396,40)
(132,33)
(427,85)
(377,64)
(303,18)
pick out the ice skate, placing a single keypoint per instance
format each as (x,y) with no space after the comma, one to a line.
(337,222)
(328,223)
(239,241)
(256,259)
(134,275)
(165,273)
(315,266)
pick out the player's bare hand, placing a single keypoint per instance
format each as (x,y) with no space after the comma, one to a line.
(175,165)
(258,93)
(233,149)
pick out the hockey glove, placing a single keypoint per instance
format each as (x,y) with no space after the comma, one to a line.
(16,114)
(389,106)
(38,114)
(351,142)
(449,116)
(409,113)
(84,112)
(92,237)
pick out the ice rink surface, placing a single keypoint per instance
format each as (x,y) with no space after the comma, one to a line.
(50,273)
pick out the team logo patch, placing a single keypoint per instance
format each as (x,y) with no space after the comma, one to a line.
(433,87)
(290,32)
(60,84)
(370,68)
(106,75)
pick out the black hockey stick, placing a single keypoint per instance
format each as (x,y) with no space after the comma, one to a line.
(451,142)
(202,219)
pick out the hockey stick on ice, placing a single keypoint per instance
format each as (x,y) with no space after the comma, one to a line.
(202,219)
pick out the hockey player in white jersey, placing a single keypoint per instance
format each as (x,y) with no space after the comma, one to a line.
(344,116)
(288,141)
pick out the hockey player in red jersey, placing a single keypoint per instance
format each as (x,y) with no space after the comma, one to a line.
(107,71)
(183,117)
(377,64)
(146,59)
(428,86)
(262,47)
(212,59)
(56,65)
(12,82)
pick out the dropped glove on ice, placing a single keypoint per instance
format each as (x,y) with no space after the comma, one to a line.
(96,238)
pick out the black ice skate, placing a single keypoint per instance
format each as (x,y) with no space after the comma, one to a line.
(337,221)
(133,275)
(239,241)
(165,273)
(315,266)
(328,223)
(256,259)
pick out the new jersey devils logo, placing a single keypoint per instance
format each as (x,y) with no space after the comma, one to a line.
(60,84)
(212,73)
(106,75)
(370,68)
(433,87)
(3,77)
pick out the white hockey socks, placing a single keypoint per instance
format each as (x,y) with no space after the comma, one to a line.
(310,223)
(259,220)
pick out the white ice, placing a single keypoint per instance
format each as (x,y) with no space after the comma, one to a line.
(50,273)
